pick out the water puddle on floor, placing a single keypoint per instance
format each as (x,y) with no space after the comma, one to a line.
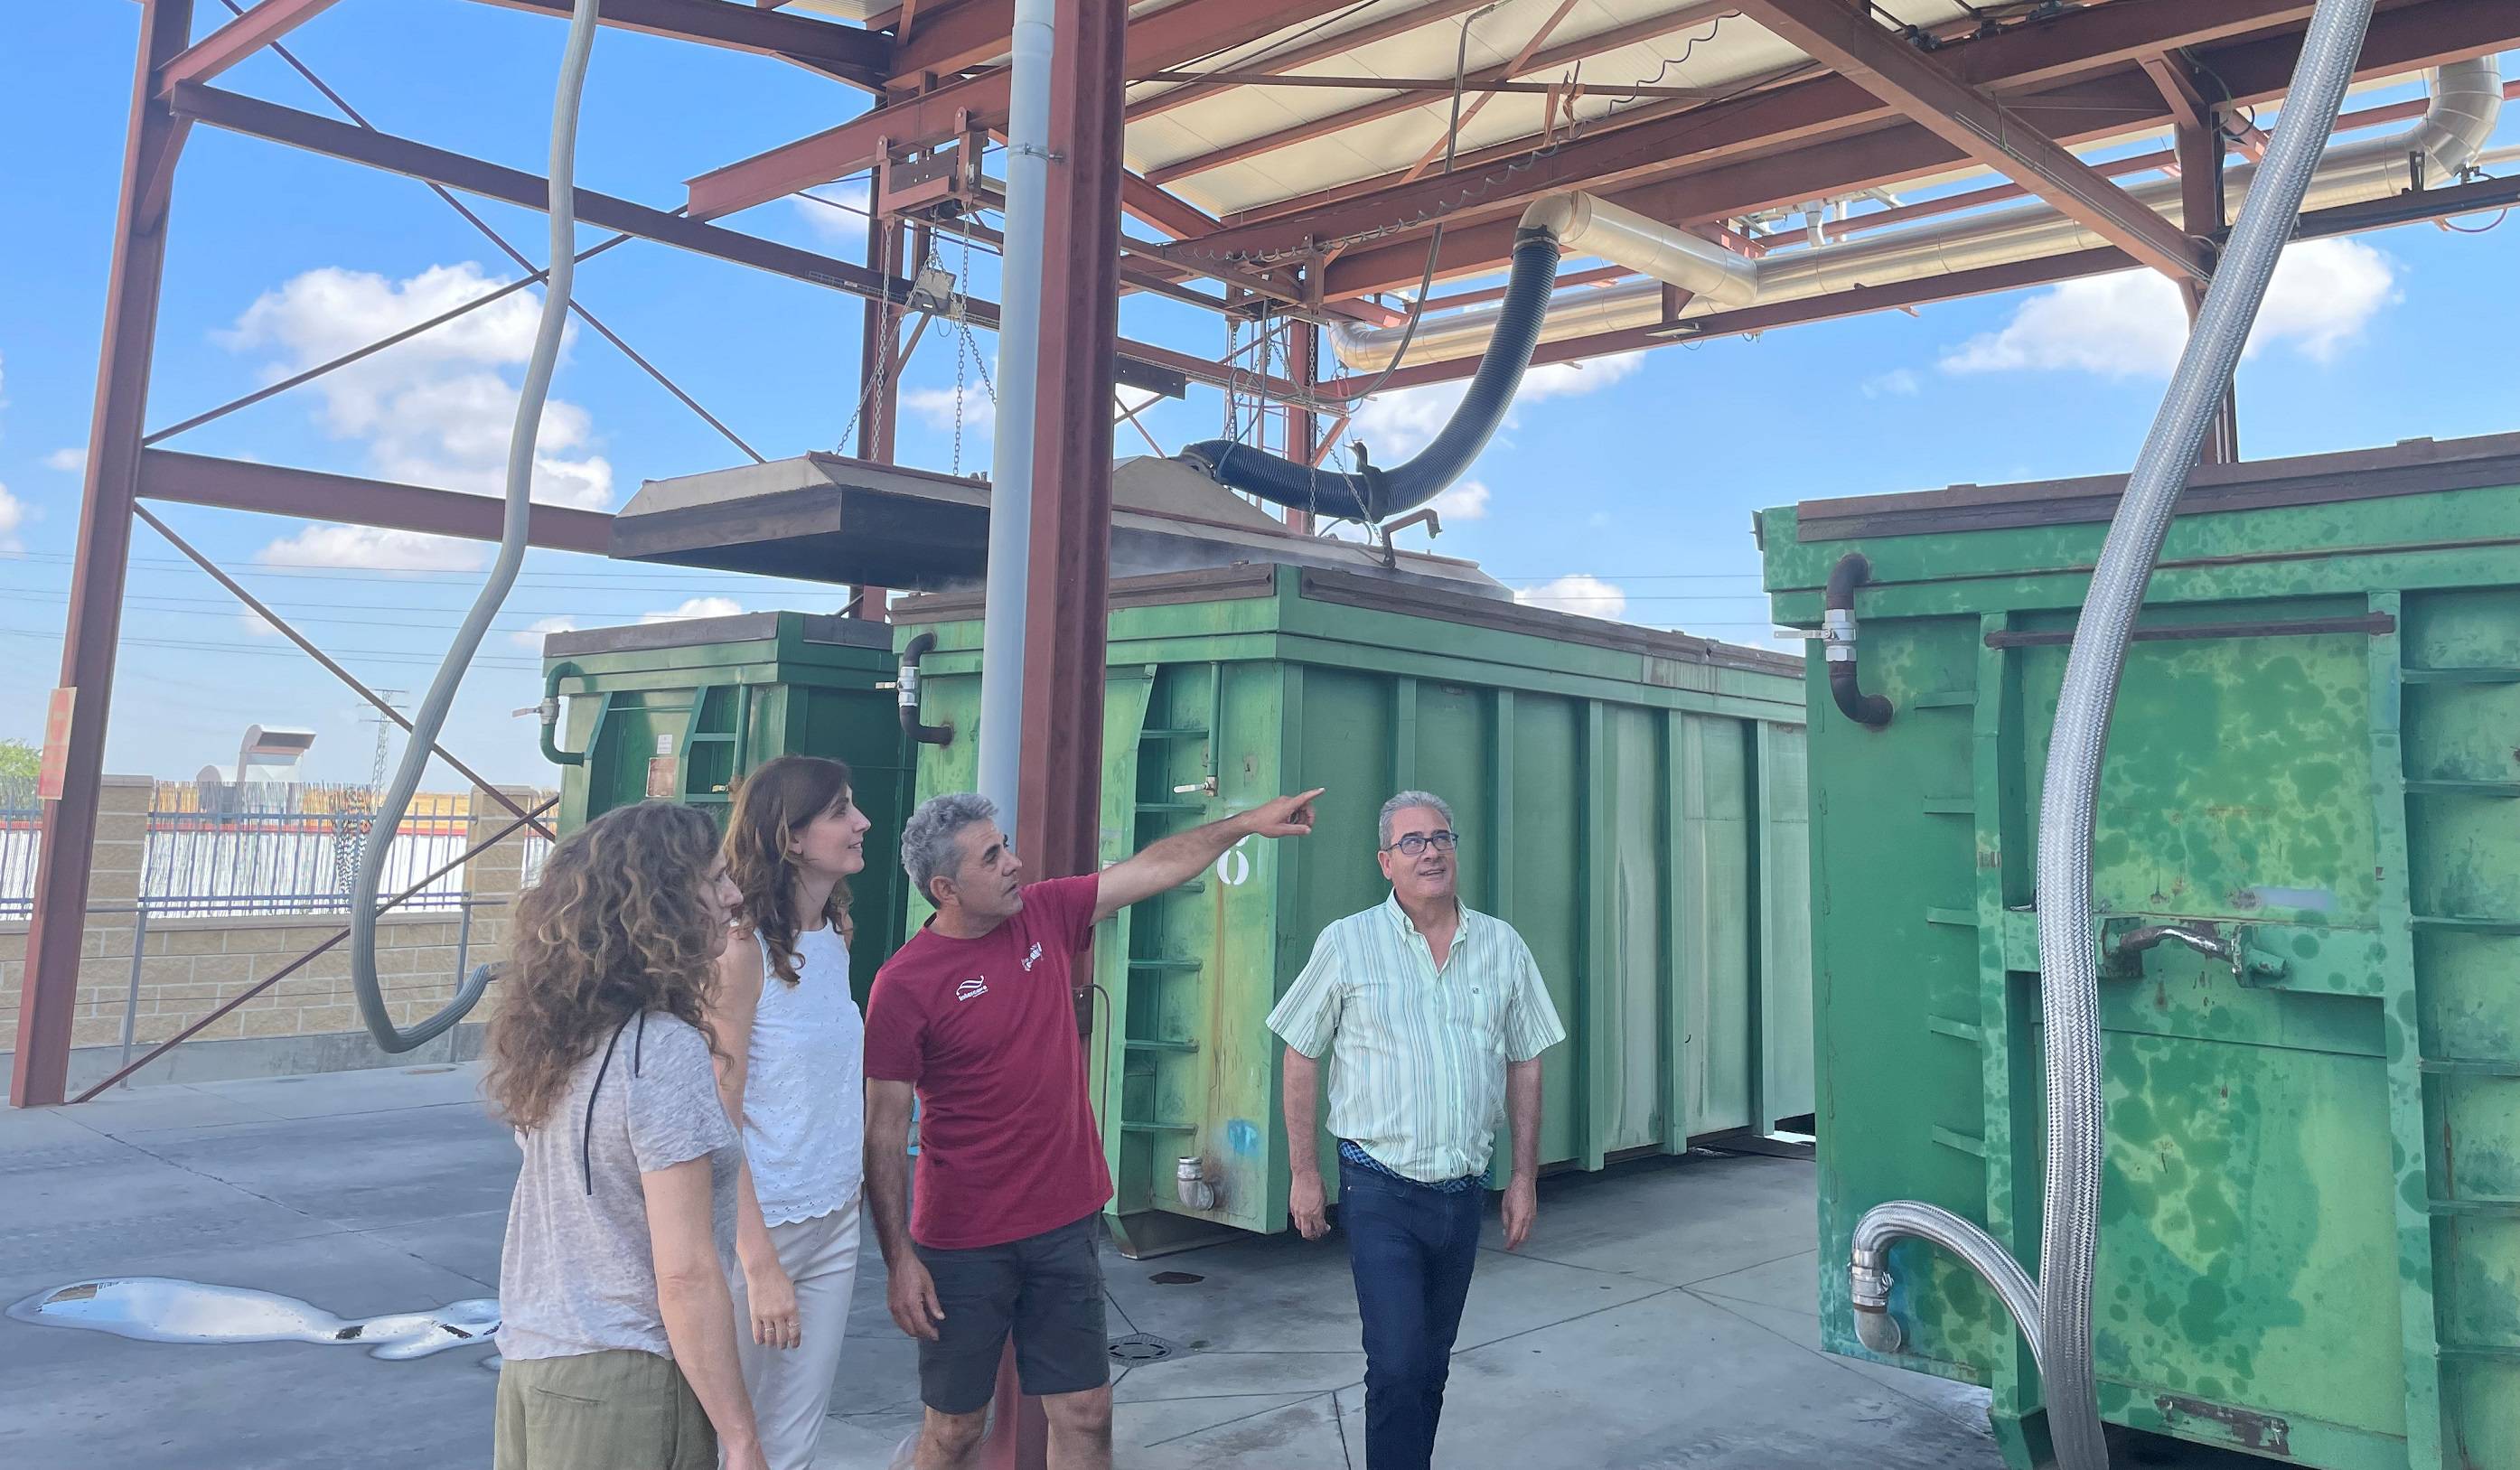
(163,1310)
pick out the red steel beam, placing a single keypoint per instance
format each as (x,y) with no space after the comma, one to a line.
(1745,177)
(1166,39)
(313,495)
(1295,58)
(2081,43)
(1740,184)
(1979,126)
(1164,211)
(2345,219)
(239,38)
(1483,79)
(340,140)
(946,42)
(862,56)
(48,995)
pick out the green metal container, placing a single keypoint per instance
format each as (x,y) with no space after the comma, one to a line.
(2310,1240)
(680,710)
(1631,801)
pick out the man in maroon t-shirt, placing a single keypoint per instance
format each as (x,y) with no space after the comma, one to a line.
(976,1015)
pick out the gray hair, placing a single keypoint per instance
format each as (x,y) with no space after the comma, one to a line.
(1404,801)
(928,839)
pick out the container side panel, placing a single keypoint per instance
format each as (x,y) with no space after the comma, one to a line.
(1716,1062)
(1546,902)
(1897,982)
(1785,963)
(2461,652)
(1629,980)
(2248,1240)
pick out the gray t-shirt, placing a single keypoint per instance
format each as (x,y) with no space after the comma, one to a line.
(578,1273)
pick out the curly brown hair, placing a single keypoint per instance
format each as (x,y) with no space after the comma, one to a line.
(619,923)
(771,806)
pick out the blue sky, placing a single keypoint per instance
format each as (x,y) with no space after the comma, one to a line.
(1641,474)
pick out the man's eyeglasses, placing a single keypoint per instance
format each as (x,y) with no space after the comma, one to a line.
(1417,843)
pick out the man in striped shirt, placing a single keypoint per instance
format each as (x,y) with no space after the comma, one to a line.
(1434,1017)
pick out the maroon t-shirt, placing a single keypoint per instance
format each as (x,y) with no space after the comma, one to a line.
(986,1031)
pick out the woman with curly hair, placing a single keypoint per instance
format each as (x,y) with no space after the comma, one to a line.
(791,1068)
(616,1335)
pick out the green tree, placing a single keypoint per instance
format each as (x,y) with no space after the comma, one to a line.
(20,760)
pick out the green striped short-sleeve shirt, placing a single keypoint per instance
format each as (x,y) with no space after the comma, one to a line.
(1418,1055)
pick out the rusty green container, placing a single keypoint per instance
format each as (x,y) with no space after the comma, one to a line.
(1631,801)
(680,710)
(2310,1238)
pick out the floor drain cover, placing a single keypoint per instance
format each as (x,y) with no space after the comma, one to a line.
(1143,1348)
(1176,1279)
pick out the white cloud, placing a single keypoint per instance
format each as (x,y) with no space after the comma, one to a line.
(530,637)
(695,608)
(13,516)
(1466,500)
(1574,379)
(435,409)
(2132,323)
(1396,426)
(70,461)
(1577,592)
(1898,383)
(256,624)
(838,227)
(940,407)
(373,549)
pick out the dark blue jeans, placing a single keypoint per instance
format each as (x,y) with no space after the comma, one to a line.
(1412,1249)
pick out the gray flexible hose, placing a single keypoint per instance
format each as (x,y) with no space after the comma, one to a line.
(2068,931)
(2056,1314)
(523,441)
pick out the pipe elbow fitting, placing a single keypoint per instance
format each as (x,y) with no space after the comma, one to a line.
(911,728)
(1559,215)
(1878,1331)
(1839,633)
(1869,1278)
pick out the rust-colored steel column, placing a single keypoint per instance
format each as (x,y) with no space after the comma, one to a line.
(1068,581)
(2202,214)
(50,989)
(878,410)
(1059,810)
(1303,429)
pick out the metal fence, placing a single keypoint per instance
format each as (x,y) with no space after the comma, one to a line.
(261,848)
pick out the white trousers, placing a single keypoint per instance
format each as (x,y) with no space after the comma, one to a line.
(792,1387)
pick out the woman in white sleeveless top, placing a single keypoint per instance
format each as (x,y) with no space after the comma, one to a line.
(791,1068)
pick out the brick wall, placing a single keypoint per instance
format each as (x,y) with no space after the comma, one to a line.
(187,967)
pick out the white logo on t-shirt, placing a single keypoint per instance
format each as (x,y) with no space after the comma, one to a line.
(970,989)
(1029,959)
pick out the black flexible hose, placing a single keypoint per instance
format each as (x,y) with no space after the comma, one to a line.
(1373,494)
(1872,711)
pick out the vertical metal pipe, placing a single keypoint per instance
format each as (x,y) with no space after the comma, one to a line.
(1018,375)
(1061,802)
(67,848)
(131,998)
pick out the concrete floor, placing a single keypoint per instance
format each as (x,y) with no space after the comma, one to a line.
(1660,1316)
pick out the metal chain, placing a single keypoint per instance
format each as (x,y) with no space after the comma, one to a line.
(1232,393)
(873,390)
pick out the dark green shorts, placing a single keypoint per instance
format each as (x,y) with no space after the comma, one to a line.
(1046,1289)
(611,1411)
